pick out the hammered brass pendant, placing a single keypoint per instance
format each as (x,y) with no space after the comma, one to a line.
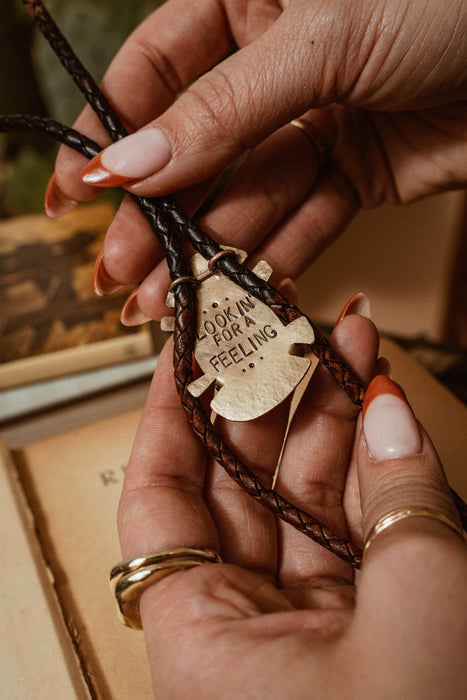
(242,346)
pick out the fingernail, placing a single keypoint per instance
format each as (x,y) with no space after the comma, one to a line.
(357,304)
(103,283)
(383,366)
(132,158)
(131,313)
(288,288)
(389,425)
(55,202)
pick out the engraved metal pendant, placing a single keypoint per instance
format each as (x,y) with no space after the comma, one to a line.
(242,346)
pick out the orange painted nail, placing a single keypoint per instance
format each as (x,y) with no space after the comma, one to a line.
(131,159)
(104,284)
(131,313)
(390,428)
(357,304)
(96,174)
(56,203)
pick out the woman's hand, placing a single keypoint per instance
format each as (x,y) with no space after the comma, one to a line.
(386,84)
(282,617)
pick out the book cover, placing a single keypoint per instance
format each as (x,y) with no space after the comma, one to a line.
(51,321)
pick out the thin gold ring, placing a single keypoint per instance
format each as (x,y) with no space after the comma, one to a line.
(398,514)
(314,137)
(130,578)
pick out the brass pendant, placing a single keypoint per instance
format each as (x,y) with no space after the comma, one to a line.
(242,346)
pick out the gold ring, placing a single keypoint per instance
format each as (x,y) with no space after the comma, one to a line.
(399,514)
(314,137)
(129,579)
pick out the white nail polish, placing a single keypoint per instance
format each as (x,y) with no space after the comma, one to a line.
(134,157)
(390,428)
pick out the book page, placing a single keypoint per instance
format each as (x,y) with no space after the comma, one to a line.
(37,658)
(73,483)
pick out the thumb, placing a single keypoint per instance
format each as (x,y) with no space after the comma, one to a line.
(410,617)
(237,104)
(399,469)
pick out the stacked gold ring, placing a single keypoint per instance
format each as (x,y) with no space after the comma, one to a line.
(129,579)
(398,514)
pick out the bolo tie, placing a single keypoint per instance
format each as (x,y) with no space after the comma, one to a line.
(227,316)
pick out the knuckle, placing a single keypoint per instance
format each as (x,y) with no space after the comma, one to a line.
(163,67)
(211,107)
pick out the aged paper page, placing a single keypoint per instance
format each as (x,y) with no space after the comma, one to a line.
(73,482)
(37,659)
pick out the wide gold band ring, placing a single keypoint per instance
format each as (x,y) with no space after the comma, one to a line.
(399,514)
(314,137)
(129,579)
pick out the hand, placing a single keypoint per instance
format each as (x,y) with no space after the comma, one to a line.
(387,86)
(282,616)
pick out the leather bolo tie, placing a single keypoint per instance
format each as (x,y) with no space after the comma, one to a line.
(214,299)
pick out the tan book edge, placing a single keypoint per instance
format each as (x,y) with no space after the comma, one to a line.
(52,322)
(78,359)
(71,485)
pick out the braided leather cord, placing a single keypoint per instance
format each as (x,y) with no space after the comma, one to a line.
(169,221)
(183,353)
(59,132)
(185,226)
(75,68)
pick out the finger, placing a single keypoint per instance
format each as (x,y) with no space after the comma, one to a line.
(236,105)
(314,465)
(280,172)
(412,584)
(395,450)
(248,529)
(148,301)
(308,230)
(131,247)
(162,504)
(131,250)
(276,177)
(175,44)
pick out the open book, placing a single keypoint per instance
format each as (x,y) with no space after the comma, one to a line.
(60,636)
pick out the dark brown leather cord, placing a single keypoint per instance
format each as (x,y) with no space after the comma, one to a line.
(183,354)
(186,227)
(170,223)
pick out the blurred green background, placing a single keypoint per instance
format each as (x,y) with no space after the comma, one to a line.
(32,81)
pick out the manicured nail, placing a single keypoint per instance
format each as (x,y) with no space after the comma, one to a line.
(131,313)
(55,202)
(357,304)
(383,366)
(288,288)
(104,284)
(389,425)
(132,158)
